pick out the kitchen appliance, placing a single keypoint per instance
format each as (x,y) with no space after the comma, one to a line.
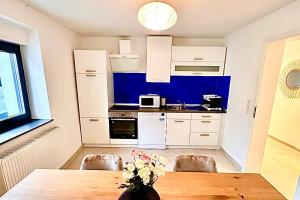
(212,102)
(123,125)
(152,128)
(149,101)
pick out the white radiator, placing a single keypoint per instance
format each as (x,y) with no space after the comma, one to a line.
(36,153)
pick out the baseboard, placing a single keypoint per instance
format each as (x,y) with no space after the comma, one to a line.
(231,159)
(284,143)
(192,147)
(65,166)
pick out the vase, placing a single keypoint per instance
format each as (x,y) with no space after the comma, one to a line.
(147,193)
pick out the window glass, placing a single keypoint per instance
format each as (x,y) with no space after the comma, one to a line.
(11,97)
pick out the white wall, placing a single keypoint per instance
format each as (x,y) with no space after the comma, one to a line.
(56,44)
(139,45)
(244,63)
(284,123)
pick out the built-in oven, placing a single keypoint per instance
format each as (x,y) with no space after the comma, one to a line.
(123,125)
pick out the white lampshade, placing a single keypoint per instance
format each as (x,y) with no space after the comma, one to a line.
(157,16)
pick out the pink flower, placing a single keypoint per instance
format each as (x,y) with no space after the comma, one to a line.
(137,152)
(146,158)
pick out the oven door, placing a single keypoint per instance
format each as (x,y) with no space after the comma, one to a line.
(123,128)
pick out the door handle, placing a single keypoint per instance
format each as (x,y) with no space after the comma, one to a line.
(90,70)
(206,121)
(206,116)
(206,135)
(178,121)
(198,59)
(91,75)
(197,73)
(94,120)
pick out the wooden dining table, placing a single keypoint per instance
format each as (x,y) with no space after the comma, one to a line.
(51,184)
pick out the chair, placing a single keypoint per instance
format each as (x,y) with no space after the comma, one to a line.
(194,163)
(101,162)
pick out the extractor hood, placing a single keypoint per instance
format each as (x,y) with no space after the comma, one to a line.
(125,61)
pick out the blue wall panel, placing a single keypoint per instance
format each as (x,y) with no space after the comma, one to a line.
(189,89)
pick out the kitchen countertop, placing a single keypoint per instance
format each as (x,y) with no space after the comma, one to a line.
(191,109)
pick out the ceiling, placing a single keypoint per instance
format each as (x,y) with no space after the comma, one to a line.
(196,18)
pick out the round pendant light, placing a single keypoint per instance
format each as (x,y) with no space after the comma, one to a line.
(157,16)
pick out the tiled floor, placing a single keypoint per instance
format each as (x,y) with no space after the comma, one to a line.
(223,164)
(281,167)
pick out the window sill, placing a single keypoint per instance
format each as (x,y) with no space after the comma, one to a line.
(21,130)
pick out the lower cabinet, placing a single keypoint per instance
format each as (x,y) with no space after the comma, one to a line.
(95,130)
(178,132)
(196,129)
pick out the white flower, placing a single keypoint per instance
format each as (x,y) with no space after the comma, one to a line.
(144,173)
(163,160)
(151,167)
(130,167)
(127,175)
(160,170)
(154,157)
(146,180)
(139,163)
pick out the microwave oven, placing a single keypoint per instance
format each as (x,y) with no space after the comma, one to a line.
(149,101)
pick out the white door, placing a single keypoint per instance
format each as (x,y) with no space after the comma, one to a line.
(92,95)
(152,130)
(178,132)
(158,58)
(90,61)
(94,130)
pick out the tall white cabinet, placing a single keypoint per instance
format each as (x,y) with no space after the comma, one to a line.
(94,85)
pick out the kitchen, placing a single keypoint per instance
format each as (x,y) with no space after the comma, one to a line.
(180,102)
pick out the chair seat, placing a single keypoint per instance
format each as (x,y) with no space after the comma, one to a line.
(102,162)
(195,163)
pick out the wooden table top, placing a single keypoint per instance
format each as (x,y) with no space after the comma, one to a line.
(46,184)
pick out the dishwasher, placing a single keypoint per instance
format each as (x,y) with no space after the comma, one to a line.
(152,129)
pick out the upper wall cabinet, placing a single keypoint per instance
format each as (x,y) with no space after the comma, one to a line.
(90,61)
(196,53)
(158,58)
(198,61)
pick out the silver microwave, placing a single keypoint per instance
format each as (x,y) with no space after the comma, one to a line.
(149,101)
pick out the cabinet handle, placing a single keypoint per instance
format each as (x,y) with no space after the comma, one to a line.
(206,116)
(89,70)
(91,75)
(198,59)
(178,121)
(206,121)
(197,73)
(206,135)
(94,120)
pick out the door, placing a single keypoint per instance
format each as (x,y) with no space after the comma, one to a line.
(90,61)
(94,130)
(158,58)
(123,128)
(92,95)
(178,132)
(152,130)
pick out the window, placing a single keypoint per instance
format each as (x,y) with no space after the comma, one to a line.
(14,106)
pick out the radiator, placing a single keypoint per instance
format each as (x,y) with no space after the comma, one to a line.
(39,152)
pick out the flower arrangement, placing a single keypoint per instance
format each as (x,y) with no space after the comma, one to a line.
(143,171)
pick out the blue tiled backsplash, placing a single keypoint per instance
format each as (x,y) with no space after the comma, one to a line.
(189,89)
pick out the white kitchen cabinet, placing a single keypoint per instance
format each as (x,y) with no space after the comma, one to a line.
(94,130)
(178,131)
(197,68)
(90,61)
(204,139)
(206,116)
(198,53)
(205,126)
(158,58)
(92,95)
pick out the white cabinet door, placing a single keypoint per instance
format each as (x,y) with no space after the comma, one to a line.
(178,131)
(210,126)
(196,53)
(205,139)
(90,61)
(92,95)
(94,130)
(158,58)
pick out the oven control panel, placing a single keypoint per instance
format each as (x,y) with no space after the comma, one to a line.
(123,114)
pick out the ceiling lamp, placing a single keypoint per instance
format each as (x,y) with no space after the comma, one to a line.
(157,16)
